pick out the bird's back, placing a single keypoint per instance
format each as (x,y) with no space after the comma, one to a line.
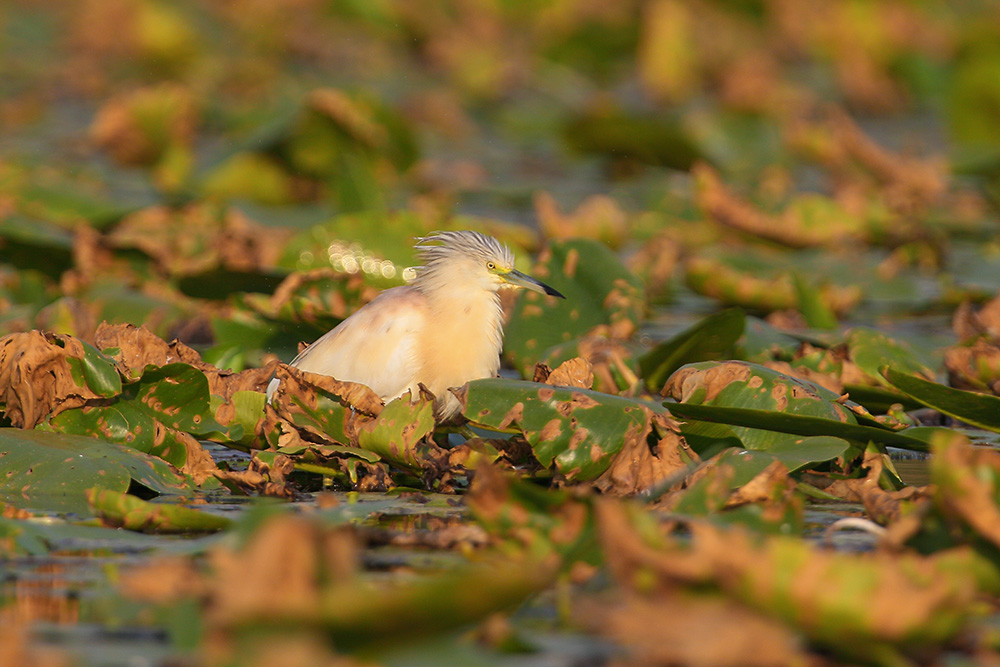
(377,346)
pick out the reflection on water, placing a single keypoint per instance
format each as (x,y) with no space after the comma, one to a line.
(913,471)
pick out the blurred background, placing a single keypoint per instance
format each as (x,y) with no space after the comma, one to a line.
(172,163)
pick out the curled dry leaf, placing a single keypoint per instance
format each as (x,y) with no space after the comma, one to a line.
(884,507)
(41,375)
(640,466)
(911,184)
(974,366)
(138,347)
(260,478)
(575,372)
(969,323)
(309,409)
(789,228)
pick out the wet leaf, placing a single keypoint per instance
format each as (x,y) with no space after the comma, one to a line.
(121,510)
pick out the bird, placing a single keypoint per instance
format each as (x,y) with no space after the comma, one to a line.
(443,329)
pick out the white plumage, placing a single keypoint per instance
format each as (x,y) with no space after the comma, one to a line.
(443,329)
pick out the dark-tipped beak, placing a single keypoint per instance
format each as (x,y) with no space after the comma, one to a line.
(517,279)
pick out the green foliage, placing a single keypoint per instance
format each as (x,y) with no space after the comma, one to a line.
(708,340)
(576,430)
(599,290)
(126,511)
(37,464)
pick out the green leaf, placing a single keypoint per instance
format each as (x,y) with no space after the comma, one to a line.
(598,289)
(398,434)
(576,430)
(35,464)
(710,339)
(808,451)
(814,309)
(149,413)
(784,422)
(982,410)
(872,350)
(96,371)
(740,384)
(122,510)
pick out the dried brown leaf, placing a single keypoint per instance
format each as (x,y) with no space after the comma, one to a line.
(36,379)
(639,467)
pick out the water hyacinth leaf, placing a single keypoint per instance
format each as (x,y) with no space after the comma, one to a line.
(579,431)
(599,290)
(743,419)
(809,451)
(35,462)
(150,413)
(398,434)
(872,350)
(709,438)
(96,370)
(742,385)
(982,410)
(122,510)
(710,339)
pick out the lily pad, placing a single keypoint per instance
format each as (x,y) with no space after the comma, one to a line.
(398,434)
(149,413)
(34,463)
(576,430)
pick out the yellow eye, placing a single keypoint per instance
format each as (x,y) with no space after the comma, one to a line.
(490,265)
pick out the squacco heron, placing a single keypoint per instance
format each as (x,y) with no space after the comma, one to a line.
(442,330)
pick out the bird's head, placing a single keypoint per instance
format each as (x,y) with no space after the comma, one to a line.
(472,259)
